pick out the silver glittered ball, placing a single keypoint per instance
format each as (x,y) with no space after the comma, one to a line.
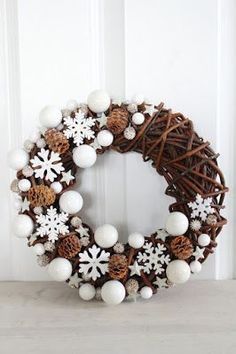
(129,133)
(76,221)
(38,210)
(132,286)
(41,143)
(65,112)
(28,171)
(84,241)
(49,246)
(119,247)
(43,260)
(28,145)
(132,108)
(15,186)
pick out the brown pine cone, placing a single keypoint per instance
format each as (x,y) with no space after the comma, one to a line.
(41,196)
(56,141)
(118,266)
(117,120)
(182,247)
(69,246)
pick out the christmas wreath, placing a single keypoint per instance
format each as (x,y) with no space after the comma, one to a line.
(96,263)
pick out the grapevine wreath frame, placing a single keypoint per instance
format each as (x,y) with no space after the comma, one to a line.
(97,263)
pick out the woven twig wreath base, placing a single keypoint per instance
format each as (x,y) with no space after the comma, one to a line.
(146,263)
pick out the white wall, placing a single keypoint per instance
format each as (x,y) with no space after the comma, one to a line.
(180,52)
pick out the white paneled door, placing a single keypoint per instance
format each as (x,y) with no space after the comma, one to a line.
(180,52)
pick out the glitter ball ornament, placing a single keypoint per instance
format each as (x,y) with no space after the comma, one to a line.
(43,260)
(28,145)
(129,133)
(211,220)
(132,108)
(195,225)
(38,210)
(132,286)
(27,171)
(182,247)
(76,221)
(41,143)
(118,266)
(49,246)
(14,186)
(118,247)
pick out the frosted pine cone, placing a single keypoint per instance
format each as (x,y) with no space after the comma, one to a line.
(182,247)
(129,133)
(119,247)
(69,246)
(118,266)
(56,141)
(41,196)
(117,120)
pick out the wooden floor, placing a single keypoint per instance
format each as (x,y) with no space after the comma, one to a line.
(199,317)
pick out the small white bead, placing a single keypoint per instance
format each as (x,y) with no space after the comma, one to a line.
(106,236)
(57,187)
(24,185)
(195,266)
(146,292)
(204,240)
(50,117)
(138,118)
(138,98)
(105,138)
(136,240)
(39,249)
(84,156)
(113,292)
(87,292)
(99,101)
(72,105)
(18,159)
(177,224)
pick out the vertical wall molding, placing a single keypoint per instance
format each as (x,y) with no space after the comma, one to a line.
(226,128)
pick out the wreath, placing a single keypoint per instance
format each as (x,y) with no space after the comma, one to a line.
(96,263)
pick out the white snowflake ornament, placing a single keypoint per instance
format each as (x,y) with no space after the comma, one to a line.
(201,207)
(79,128)
(47,164)
(153,258)
(52,224)
(93,262)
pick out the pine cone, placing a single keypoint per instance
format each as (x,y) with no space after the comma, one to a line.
(56,141)
(69,246)
(118,266)
(41,196)
(181,247)
(117,120)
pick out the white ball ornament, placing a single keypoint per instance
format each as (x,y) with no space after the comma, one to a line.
(57,187)
(146,292)
(138,118)
(72,105)
(195,266)
(35,135)
(60,269)
(71,202)
(136,240)
(106,236)
(177,224)
(50,117)
(105,138)
(113,292)
(18,159)
(39,249)
(84,156)
(24,185)
(178,271)
(99,101)
(23,225)
(204,240)
(138,98)
(87,292)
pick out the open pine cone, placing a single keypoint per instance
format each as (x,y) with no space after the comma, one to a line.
(69,246)
(41,196)
(118,266)
(182,247)
(56,141)
(117,120)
